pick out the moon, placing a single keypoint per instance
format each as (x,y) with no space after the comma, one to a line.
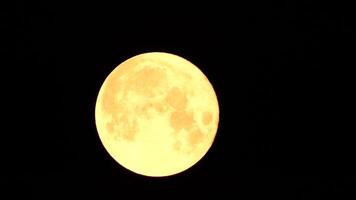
(157,114)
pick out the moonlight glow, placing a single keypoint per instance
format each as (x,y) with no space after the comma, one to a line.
(157,114)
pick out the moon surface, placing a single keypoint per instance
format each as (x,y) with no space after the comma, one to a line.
(157,114)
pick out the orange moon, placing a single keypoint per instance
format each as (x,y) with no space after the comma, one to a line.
(157,114)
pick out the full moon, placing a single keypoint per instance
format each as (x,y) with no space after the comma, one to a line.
(157,114)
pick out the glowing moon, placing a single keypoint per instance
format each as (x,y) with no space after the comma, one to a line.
(157,114)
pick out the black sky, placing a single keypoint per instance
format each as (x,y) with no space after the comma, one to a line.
(278,71)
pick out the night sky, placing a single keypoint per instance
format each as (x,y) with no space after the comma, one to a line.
(280,72)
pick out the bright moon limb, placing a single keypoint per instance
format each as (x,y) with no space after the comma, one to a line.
(157,114)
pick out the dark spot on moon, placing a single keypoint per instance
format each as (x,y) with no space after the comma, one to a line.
(111,88)
(110,126)
(207,118)
(159,107)
(129,127)
(124,128)
(181,119)
(130,132)
(176,98)
(144,81)
(195,137)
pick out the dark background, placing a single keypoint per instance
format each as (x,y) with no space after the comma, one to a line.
(281,72)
